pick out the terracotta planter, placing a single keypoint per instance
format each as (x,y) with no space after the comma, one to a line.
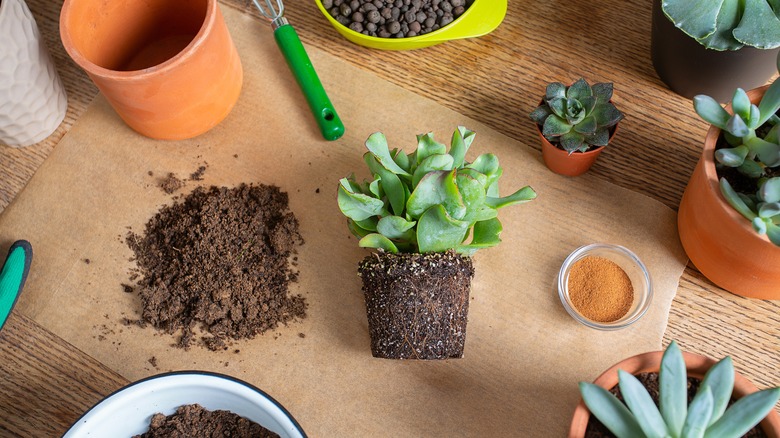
(688,68)
(168,67)
(720,242)
(651,362)
(563,163)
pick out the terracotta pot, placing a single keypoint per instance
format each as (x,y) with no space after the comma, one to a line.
(696,365)
(563,163)
(720,242)
(168,67)
(688,68)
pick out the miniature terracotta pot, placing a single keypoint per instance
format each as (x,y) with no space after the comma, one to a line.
(720,242)
(168,67)
(563,163)
(696,365)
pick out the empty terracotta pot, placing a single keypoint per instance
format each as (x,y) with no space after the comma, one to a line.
(696,365)
(168,67)
(720,242)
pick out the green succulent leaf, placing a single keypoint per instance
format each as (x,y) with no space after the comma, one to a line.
(437,231)
(768,153)
(723,36)
(734,200)
(769,210)
(555,126)
(610,411)
(555,90)
(523,195)
(376,189)
(486,235)
(573,141)
(759,225)
(699,413)
(588,103)
(575,111)
(540,113)
(586,126)
(673,378)
(607,114)
(368,224)
(770,103)
(641,405)
(436,188)
(358,206)
(579,89)
(740,104)
(427,146)
(603,91)
(357,230)
(486,164)
(710,111)
(696,18)
(770,190)
(737,127)
(430,164)
(473,194)
(719,380)
(754,117)
(732,157)
(759,27)
(751,168)
(744,414)
(401,159)
(395,191)
(378,241)
(773,232)
(558,106)
(377,144)
(599,138)
(395,227)
(481,178)
(459,146)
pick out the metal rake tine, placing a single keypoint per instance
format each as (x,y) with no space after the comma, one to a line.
(271,13)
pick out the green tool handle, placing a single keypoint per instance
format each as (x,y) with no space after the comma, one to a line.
(300,64)
(13,274)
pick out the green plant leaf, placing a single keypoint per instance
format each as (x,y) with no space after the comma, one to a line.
(459,146)
(555,90)
(768,153)
(357,230)
(395,227)
(751,168)
(710,111)
(573,141)
(555,126)
(579,89)
(770,190)
(473,194)
(773,232)
(368,224)
(575,111)
(486,164)
(394,190)
(606,115)
(481,178)
(400,158)
(641,405)
(427,146)
(610,411)
(378,241)
(430,164)
(377,144)
(358,206)
(486,234)
(696,18)
(558,107)
(754,117)
(732,157)
(436,188)
(737,127)
(699,413)
(540,113)
(603,91)
(759,27)
(588,103)
(523,195)
(599,138)
(740,104)
(438,232)
(586,126)
(769,210)
(376,189)
(720,381)
(744,414)
(759,225)
(770,103)
(673,383)
(723,37)
(735,201)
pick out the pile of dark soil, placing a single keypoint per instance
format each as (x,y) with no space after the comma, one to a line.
(417,304)
(194,421)
(650,381)
(219,259)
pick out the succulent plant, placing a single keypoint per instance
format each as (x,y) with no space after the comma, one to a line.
(708,414)
(430,200)
(727,24)
(577,117)
(751,154)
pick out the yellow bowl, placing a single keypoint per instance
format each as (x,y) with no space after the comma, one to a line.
(481,18)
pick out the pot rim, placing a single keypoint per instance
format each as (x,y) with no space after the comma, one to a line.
(209,22)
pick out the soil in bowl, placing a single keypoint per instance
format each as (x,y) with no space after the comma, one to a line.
(600,289)
(195,421)
(222,259)
(395,18)
(650,381)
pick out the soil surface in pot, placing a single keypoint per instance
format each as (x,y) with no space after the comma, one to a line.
(195,421)
(417,304)
(650,381)
(220,259)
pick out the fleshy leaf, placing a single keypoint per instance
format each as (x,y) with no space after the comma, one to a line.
(523,195)
(575,111)
(734,200)
(555,126)
(377,144)
(673,380)
(723,37)
(773,232)
(736,126)
(719,380)
(603,91)
(641,405)
(699,413)
(356,230)
(770,190)
(769,210)
(740,104)
(400,158)
(395,227)
(770,103)
(697,25)
(427,146)
(436,188)
(599,138)
(437,231)
(461,141)
(607,115)
(486,235)
(558,107)
(609,410)
(579,89)
(573,141)
(768,153)
(378,241)
(473,194)
(745,413)
(759,27)
(358,206)
(710,111)
(586,126)
(430,164)
(555,90)
(732,157)
(540,113)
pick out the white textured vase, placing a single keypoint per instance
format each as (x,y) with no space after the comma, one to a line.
(32,98)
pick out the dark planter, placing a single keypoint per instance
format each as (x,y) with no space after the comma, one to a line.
(417,304)
(688,68)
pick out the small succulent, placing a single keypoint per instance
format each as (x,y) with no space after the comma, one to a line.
(708,414)
(577,117)
(727,24)
(429,200)
(751,154)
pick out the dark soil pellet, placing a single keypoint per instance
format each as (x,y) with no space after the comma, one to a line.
(127,288)
(395,18)
(417,304)
(171,184)
(219,259)
(198,174)
(195,421)
(650,381)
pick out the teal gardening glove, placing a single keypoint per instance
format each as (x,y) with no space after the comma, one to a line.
(12,277)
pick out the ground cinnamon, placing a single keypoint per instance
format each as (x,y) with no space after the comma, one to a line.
(599,289)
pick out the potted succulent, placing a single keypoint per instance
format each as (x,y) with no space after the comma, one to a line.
(425,213)
(729,215)
(714,47)
(676,411)
(575,123)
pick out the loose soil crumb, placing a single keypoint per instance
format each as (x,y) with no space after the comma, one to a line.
(198,174)
(153,361)
(87,261)
(219,259)
(127,288)
(171,184)
(196,421)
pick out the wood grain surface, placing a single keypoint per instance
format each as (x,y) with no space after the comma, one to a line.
(496,79)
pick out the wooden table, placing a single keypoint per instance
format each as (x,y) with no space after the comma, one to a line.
(45,383)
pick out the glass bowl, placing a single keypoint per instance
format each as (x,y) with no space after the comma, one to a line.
(481,18)
(630,263)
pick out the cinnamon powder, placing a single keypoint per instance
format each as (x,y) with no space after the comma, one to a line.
(599,289)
